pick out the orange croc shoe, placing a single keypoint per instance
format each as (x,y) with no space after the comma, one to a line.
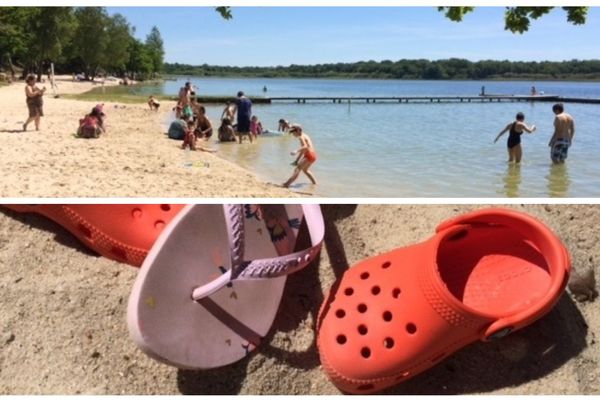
(121,232)
(481,276)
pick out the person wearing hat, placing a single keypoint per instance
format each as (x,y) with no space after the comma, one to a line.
(243,106)
(306,156)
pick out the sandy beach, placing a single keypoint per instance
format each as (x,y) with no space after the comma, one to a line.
(63,327)
(134,158)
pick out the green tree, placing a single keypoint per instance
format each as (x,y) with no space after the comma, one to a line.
(140,61)
(91,38)
(518,19)
(155,48)
(14,37)
(51,30)
(119,37)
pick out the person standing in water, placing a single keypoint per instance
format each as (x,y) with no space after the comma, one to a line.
(306,156)
(243,107)
(564,131)
(515,129)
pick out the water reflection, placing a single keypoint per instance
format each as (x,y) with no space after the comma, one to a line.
(512,180)
(558,180)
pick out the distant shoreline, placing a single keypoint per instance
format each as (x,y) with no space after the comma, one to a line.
(495,79)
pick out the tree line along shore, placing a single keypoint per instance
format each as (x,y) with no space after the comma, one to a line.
(448,69)
(84,41)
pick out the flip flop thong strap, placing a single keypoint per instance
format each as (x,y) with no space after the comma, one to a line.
(261,268)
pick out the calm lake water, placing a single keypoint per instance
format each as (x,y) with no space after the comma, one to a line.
(414,150)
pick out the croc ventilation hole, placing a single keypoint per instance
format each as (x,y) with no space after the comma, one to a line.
(375,290)
(349,291)
(362,308)
(341,339)
(362,329)
(340,313)
(387,316)
(365,352)
(364,275)
(386,265)
(136,213)
(411,328)
(165,207)
(396,293)
(388,343)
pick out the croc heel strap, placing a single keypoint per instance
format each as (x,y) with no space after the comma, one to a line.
(548,244)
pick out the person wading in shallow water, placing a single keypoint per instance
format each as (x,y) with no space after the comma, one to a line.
(306,156)
(515,129)
(564,131)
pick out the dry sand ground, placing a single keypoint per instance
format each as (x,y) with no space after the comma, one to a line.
(63,327)
(135,158)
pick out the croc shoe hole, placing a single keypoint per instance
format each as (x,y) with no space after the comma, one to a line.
(362,308)
(341,339)
(340,313)
(396,293)
(375,290)
(387,316)
(365,352)
(349,291)
(362,329)
(364,275)
(411,328)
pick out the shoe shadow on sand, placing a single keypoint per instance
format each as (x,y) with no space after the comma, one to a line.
(521,357)
(61,235)
(300,304)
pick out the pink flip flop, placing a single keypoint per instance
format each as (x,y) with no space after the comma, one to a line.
(210,287)
(121,232)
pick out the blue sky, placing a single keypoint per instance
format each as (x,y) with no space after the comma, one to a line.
(264,36)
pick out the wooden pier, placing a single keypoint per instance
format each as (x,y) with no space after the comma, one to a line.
(433,99)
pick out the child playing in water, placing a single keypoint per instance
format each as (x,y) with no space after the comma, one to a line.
(284,126)
(255,126)
(226,132)
(306,156)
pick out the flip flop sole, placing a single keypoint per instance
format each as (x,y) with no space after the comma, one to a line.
(170,326)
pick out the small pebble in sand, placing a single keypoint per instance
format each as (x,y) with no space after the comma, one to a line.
(10,338)
(583,285)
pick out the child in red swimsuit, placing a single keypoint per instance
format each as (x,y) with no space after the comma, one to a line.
(306,156)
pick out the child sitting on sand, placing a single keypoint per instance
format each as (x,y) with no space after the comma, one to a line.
(226,131)
(306,156)
(255,126)
(92,125)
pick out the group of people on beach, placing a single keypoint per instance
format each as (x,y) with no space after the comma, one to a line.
(561,140)
(237,123)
